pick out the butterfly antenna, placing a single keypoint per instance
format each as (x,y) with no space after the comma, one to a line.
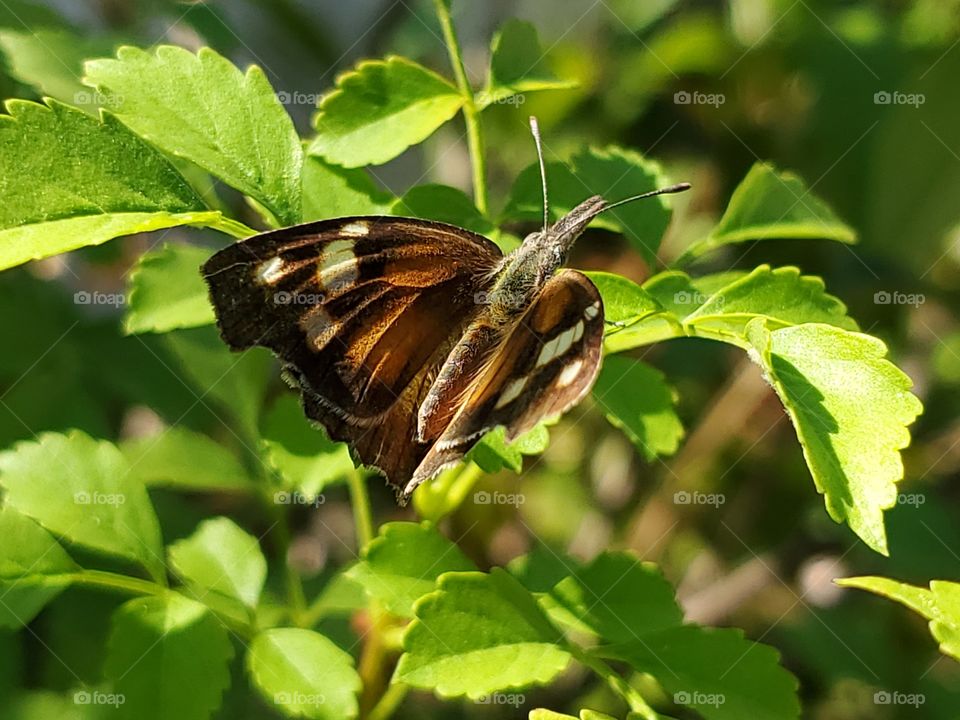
(535,130)
(678,188)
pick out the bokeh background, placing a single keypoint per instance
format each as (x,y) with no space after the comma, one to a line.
(858,97)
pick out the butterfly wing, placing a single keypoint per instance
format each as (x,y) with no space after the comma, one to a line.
(543,367)
(362,311)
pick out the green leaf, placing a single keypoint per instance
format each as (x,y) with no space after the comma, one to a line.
(235,382)
(770,204)
(185,460)
(612,172)
(619,598)
(403,562)
(32,568)
(167,291)
(221,557)
(517,65)
(479,634)
(544,714)
(636,398)
(301,452)
(51,60)
(444,204)
(379,110)
(169,658)
(303,674)
(330,191)
(493,453)
(69,180)
(717,672)
(850,407)
(79,489)
(623,300)
(940,604)
(202,108)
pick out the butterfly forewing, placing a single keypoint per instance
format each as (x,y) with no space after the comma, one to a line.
(545,365)
(363,312)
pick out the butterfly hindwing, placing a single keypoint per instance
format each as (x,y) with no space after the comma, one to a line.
(545,365)
(363,312)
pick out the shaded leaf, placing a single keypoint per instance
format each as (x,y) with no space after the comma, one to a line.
(330,191)
(517,64)
(167,290)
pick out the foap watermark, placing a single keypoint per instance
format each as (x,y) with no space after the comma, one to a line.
(97,98)
(297,298)
(99,498)
(485,98)
(96,697)
(895,97)
(299,698)
(85,297)
(512,699)
(688,297)
(295,497)
(684,497)
(699,698)
(482,497)
(299,98)
(886,297)
(894,697)
(914,499)
(501,298)
(685,97)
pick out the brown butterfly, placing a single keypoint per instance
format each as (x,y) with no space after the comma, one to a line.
(409,339)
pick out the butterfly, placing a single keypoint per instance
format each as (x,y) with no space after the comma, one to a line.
(410,339)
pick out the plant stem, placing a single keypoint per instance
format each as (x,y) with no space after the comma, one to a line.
(294,586)
(232,227)
(618,684)
(362,516)
(445,494)
(471,113)
(388,702)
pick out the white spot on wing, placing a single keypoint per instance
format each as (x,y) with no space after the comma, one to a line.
(319,327)
(355,229)
(511,392)
(269,271)
(570,373)
(592,311)
(560,344)
(338,266)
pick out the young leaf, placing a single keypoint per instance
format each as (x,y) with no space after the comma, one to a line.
(32,568)
(379,110)
(221,557)
(940,604)
(444,204)
(636,398)
(302,453)
(69,180)
(169,658)
(850,407)
(403,562)
(52,62)
(330,191)
(717,672)
(303,674)
(619,598)
(79,489)
(202,108)
(494,454)
(479,634)
(612,172)
(185,460)
(517,65)
(772,204)
(167,291)
(221,379)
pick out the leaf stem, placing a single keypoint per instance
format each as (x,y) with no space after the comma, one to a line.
(620,686)
(471,113)
(388,702)
(442,496)
(232,227)
(294,585)
(362,516)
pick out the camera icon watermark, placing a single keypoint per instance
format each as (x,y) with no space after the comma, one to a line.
(514,700)
(96,697)
(485,98)
(99,498)
(687,297)
(299,98)
(699,698)
(295,497)
(685,497)
(97,98)
(885,297)
(85,297)
(895,97)
(283,297)
(887,697)
(299,698)
(482,497)
(685,97)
